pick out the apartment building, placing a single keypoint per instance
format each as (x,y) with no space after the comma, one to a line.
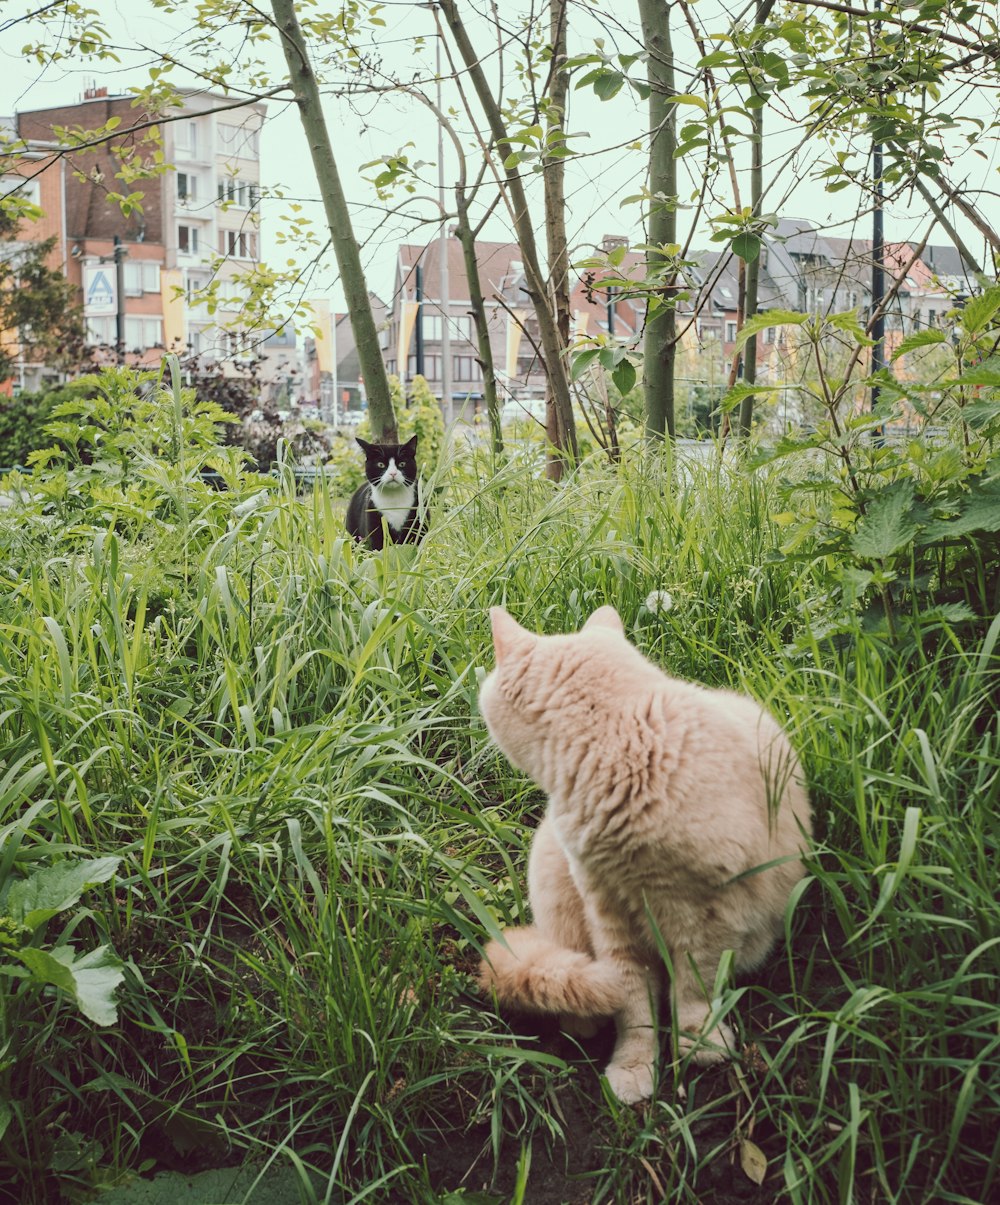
(419,311)
(195,226)
(37,177)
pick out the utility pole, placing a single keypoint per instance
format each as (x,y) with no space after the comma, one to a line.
(119,257)
(878,258)
(336,382)
(447,406)
(420,322)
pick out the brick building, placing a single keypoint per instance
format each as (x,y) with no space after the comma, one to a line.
(188,227)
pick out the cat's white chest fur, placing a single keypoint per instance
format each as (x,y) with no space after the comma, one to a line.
(394,501)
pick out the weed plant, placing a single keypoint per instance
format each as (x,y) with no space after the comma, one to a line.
(276,736)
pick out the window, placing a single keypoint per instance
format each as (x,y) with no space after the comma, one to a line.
(187,239)
(141,277)
(769,334)
(238,243)
(238,193)
(187,186)
(143,333)
(466,368)
(102,330)
(432,327)
(239,343)
(432,367)
(26,191)
(238,140)
(730,332)
(186,137)
(932,317)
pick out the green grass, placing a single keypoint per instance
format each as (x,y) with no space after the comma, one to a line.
(278,736)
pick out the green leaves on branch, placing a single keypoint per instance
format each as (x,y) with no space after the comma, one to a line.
(744,232)
(538,145)
(616,361)
(761,322)
(919,339)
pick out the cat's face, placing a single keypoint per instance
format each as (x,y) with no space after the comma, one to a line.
(390,466)
(544,684)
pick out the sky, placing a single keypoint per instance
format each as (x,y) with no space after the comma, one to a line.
(366,126)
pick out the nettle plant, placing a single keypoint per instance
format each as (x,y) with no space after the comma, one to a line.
(901,523)
(134,450)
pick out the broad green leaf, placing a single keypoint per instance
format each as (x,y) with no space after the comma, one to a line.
(747,246)
(624,377)
(582,361)
(761,322)
(688,98)
(887,525)
(919,339)
(978,512)
(55,888)
(91,979)
(733,397)
(716,59)
(979,311)
(987,373)
(978,414)
(848,323)
(609,84)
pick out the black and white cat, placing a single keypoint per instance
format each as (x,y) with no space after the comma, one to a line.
(388,504)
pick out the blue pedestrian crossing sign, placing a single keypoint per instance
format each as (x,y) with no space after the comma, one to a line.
(99,293)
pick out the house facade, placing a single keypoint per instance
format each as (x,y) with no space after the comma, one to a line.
(182,240)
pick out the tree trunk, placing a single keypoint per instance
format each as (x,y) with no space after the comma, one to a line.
(660,341)
(352,275)
(467,237)
(552,350)
(753,268)
(554,177)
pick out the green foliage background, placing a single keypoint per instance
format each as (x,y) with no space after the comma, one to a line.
(273,736)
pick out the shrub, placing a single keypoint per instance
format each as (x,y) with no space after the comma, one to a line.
(23,419)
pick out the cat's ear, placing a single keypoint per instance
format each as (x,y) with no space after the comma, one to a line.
(365,446)
(410,445)
(508,635)
(605,617)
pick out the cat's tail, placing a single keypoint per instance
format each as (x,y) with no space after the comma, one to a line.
(538,975)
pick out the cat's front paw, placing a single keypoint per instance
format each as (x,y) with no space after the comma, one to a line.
(707,1050)
(630,1083)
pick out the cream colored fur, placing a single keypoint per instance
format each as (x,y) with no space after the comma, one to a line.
(661,793)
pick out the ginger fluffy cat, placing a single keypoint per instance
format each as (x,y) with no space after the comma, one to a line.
(661,793)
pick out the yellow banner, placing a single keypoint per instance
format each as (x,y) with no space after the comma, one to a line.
(172,294)
(323,333)
(407,321)
(514,334)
